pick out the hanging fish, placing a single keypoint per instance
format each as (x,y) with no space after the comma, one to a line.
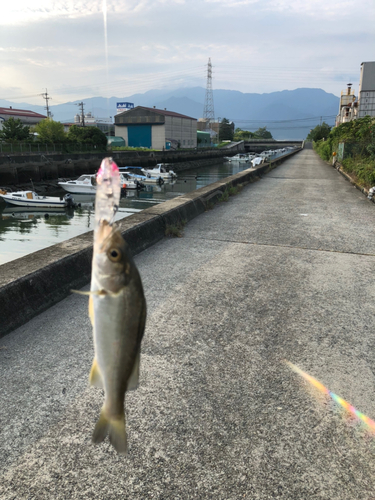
(117,310)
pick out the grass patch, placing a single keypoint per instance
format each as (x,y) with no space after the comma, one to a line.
(129,148)
(362,169)
(209,205)
(231,191)
(176,230)
(224,196)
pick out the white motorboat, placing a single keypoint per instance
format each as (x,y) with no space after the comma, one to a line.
(268,153)
(160,170)
(127,182)
(242,158)
(138,174)
(32,199)
(86,184)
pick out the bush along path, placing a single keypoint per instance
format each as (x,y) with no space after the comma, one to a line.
(354,145)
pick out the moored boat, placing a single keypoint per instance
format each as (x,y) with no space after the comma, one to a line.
(32,199)
(138,174)
(240,157)
(160,170)
(86,184)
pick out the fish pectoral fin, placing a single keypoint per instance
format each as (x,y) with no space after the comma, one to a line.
(115,427)
(95,377)
(133,380)
(91,310)
(90,293)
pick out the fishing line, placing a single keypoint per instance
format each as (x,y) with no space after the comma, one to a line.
(106,51)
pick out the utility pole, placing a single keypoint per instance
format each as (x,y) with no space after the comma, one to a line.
(45,96)
(208,110)
(81,104)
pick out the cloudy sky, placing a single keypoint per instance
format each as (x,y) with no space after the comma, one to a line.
(84,48)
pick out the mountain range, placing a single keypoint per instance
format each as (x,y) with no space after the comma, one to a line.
(288,114)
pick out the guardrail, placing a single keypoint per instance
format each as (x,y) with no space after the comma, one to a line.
(7,148)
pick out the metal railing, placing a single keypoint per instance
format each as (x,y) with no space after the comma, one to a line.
(23,148)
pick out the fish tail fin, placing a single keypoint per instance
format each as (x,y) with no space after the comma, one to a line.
(115,427)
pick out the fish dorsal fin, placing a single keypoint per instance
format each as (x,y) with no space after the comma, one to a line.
(95,377)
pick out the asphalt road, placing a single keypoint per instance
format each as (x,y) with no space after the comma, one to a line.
(284,271)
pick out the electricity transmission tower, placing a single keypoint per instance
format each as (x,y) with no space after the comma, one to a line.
(81,104)
(45,96)
(208,110)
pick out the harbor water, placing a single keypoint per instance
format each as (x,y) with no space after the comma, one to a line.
(24,231)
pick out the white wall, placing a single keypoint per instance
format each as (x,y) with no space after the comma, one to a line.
(158,137)
(367,103)
(182,130)
(122,132)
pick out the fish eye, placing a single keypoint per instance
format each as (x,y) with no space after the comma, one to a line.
(114,254)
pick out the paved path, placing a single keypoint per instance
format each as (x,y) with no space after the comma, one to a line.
(284,271)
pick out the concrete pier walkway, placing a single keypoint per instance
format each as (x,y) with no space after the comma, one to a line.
(284,270)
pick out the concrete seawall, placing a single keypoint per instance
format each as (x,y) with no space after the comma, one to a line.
(54,166)
(34,283)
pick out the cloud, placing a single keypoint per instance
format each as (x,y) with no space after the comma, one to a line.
(254,45)
(21,12)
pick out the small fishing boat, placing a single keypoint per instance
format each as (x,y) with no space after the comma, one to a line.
(32,199)
(127,182)
(138,174)
(160,170)
(86,184)
(242,158)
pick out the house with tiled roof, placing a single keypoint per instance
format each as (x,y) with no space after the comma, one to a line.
(156,128)
(27,117)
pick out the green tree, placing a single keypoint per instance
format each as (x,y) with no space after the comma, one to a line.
(262,133)
(319,132)
(242,135)
(13,130)
(50,131)
(225,130)
(88,135)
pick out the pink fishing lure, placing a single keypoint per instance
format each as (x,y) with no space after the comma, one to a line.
(108,192)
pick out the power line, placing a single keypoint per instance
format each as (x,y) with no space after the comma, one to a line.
(20,97)
(239,120)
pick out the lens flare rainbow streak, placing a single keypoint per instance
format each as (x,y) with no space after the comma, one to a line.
(344,404)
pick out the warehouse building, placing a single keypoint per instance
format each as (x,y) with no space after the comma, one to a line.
(156,129)
(27,117)
(204,139)
(366,92)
